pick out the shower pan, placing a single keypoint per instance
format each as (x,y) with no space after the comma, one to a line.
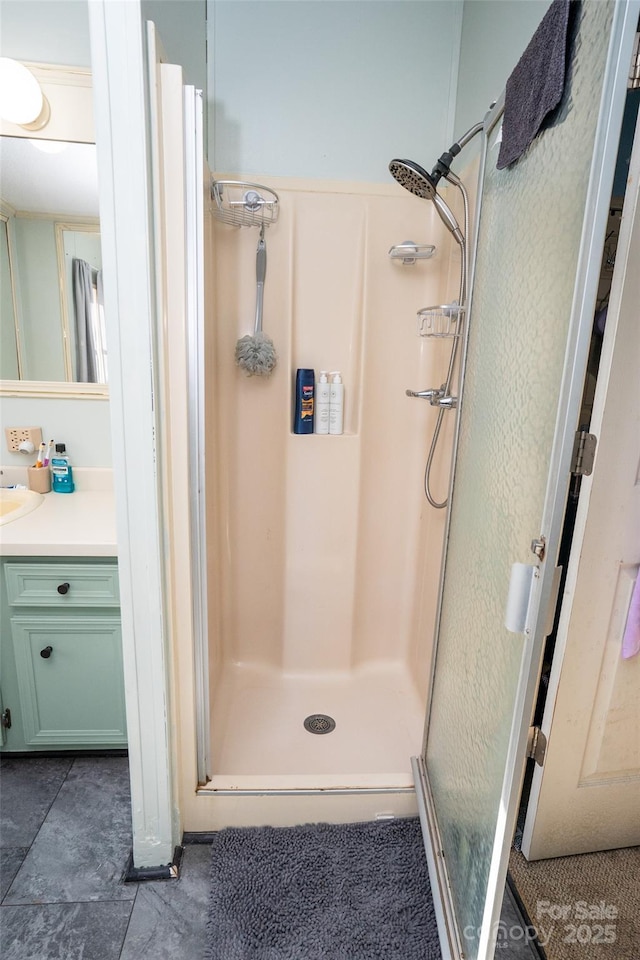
(445,321)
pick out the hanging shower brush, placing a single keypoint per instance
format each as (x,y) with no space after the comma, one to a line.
(256,353)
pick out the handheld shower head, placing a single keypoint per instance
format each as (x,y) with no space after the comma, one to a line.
(416,180)
(413,178)
(448,218)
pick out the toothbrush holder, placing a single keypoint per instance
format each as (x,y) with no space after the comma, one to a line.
(39,479)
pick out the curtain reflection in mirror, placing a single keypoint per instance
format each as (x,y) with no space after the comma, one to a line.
(91,348)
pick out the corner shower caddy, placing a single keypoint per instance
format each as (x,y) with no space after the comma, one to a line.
(444,321)
(243,204)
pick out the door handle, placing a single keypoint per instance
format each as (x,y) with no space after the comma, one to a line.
(519,596)
(63,588)
(46,653)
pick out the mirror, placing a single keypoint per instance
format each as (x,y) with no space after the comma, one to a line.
(51,318)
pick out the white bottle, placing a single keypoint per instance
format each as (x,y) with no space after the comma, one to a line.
(336,404)
(322,403)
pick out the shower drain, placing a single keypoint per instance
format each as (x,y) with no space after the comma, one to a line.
(319,723)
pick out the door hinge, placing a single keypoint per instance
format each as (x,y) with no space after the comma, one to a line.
(536,745)
(584,453)
(5,719)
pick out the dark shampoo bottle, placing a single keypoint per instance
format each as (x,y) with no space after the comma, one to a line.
(305,401)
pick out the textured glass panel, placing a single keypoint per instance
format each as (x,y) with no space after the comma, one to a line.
(530,233)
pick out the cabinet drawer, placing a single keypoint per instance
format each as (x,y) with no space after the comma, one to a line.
(62,585)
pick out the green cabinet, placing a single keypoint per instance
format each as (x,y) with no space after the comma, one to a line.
(61,655)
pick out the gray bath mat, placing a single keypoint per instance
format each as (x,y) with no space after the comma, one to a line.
(355,891)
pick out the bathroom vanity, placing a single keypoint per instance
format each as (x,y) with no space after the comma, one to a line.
(61,681)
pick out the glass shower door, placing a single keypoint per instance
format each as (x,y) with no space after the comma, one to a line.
(539,243)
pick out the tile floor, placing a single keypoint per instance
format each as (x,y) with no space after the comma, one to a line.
(65,837)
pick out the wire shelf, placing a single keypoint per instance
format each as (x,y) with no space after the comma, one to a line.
(243,204)
(442,321)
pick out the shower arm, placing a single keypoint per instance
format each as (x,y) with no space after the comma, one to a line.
(470,134)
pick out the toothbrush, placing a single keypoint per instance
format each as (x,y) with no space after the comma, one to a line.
(47,454)
(40,454)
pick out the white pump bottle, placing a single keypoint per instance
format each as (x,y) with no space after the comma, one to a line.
(336,404)
(322,403)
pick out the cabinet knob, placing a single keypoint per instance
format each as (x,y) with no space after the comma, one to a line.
(46,653)
(63,588)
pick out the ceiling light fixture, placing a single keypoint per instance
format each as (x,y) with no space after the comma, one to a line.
(21,100)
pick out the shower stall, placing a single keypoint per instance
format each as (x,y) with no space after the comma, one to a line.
(324,555)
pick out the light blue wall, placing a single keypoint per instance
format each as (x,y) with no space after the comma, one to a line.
(495,34)
(82,424)
(182,26)
(314,88)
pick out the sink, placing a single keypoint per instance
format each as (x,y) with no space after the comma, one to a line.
(17,503)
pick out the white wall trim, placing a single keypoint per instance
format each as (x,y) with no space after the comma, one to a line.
(54,389)
(117,52)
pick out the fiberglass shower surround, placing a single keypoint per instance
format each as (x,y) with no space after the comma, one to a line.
(445,321)
(322,555)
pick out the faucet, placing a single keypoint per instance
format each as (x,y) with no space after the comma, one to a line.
(436,398)
(431,395)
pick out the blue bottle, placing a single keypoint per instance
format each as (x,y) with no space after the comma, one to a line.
(305,401)
(61,471)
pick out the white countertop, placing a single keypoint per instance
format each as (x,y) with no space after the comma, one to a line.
(79,524)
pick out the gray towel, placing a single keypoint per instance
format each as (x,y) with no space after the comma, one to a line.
(536,85)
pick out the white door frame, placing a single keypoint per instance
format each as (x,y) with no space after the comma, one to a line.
(125,188)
